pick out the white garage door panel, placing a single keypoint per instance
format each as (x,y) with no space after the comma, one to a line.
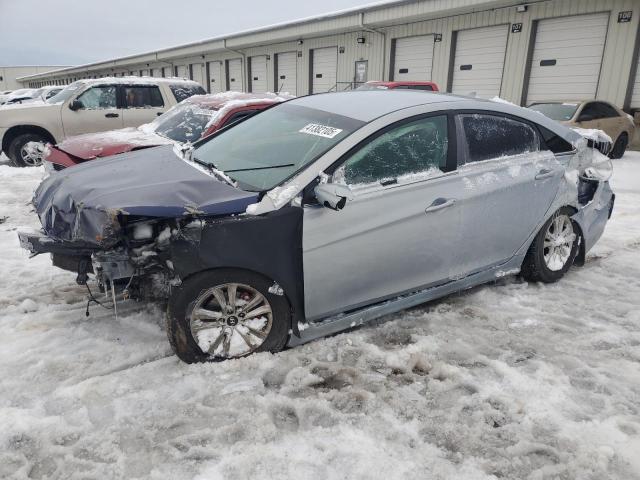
(635,94)
(216,84)
(325,67)
(413,59)
(234,75)
(287,74)
(483,49)
(182,71)
(259,74)
(576,45)
(197,73)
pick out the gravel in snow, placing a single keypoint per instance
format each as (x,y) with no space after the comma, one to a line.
(509,380)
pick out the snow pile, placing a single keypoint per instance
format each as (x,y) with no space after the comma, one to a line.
(510,380)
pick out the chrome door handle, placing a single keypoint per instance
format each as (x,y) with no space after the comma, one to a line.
(544,174)
(439,204)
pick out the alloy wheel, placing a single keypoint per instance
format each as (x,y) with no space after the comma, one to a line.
(32,153)
(558,243)
(230,320)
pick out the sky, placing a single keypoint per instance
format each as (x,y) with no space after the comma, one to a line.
(71,32)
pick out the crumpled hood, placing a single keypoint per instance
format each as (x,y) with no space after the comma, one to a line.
(104,144)
(84,203)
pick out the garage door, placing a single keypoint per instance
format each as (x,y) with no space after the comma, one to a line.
(258,74)
(197,73)
(324,70)
(479,61)
(287,73)
(156,72)
(413,58)
(181,71)
(566,58)
(216,84)
(234,75)
(635,93)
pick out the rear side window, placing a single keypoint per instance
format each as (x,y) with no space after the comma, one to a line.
(596,110)
(236,117)
(143,97)
(417,147)
(494,136)
(184,91)
(554,142)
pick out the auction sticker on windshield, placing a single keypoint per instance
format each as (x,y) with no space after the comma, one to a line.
(320,130)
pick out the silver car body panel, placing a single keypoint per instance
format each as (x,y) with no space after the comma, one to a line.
(384,252)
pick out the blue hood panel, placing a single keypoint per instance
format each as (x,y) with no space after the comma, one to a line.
(82,203)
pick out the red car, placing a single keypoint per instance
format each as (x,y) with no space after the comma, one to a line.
(379,85)
(190,120)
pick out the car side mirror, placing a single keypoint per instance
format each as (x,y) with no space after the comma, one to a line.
(333,195)
(75,105)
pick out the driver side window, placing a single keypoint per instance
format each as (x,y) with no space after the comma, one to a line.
(97,98)
(418,147)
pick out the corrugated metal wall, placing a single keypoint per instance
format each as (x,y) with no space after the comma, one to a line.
(406,20)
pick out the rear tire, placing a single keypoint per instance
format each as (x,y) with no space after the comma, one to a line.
(619,147)
(553,249)
(200,328)
(27,150)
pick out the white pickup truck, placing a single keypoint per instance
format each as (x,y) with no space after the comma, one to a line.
(87,106)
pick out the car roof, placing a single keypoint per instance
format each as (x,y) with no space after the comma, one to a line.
(216,101)
(133,80)
(367,105)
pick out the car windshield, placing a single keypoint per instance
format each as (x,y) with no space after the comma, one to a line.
(183,123)
(64,94)
(268,148)
(560,112)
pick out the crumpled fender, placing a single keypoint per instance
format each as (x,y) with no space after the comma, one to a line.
(592,218)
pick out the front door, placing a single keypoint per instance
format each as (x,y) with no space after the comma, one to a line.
(509,186)
(98,112)
(400,231)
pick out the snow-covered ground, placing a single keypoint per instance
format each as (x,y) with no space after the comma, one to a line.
(506,381)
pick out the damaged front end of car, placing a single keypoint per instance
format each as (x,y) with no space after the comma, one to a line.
(119,223)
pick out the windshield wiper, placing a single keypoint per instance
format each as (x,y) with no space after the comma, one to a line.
(261,168)
(219,174)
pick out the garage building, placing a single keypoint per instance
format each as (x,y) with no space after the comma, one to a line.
(521,51)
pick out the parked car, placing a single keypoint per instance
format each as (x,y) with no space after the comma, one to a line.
(325,212)
(32,95)
(17,94)
(593,114)
(87,106)
(379,85)
(192,119)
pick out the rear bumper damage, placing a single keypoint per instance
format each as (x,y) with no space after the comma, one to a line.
(593,216)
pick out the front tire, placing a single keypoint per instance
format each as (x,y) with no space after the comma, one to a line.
(619,147)
(27,150)
(224,314)
(553,249)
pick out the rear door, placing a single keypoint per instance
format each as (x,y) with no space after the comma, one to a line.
(398,234)
(141,104)
(324,69)
(509,186)
(99,112)
(412,58)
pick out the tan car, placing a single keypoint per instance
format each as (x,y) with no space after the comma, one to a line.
(593,114)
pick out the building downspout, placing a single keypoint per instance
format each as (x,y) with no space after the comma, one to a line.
(384,41)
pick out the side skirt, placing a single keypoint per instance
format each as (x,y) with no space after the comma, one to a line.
(338,323)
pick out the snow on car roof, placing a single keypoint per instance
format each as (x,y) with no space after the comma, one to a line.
(136,80)
(215,101)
